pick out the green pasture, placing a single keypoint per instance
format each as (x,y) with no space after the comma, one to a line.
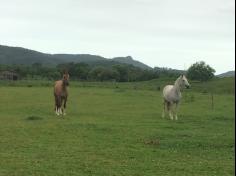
(115,129)
(217,85)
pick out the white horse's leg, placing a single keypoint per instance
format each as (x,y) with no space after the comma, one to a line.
(176,110)
(171,115)
(176,117)
(164,109)
(170,110)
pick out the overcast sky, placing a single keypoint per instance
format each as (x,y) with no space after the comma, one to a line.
(163,33)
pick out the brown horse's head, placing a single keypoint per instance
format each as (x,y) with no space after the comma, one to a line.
(65,79)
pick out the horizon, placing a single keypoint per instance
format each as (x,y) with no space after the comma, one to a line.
(157,33)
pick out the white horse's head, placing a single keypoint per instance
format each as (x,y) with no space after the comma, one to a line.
(183,82)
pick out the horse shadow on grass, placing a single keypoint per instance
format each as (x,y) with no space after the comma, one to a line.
(33,118)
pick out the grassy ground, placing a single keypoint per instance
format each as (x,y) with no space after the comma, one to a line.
(114,132)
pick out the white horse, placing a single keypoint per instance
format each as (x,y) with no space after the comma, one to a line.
(172,96)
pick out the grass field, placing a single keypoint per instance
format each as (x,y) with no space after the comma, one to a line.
(114,132)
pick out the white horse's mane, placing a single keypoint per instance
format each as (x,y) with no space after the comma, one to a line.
(179,83)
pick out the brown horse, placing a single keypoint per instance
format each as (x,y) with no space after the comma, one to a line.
(61,94)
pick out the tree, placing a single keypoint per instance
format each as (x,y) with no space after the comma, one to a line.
(123,72)
(200,71)
(81,71)
(103,74)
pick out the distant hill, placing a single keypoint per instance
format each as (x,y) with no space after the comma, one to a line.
(129,60)
(227,74)
(18,55)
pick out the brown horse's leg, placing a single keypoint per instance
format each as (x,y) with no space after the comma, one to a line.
(58,105)
(62,107)
(64,110)
(55,108)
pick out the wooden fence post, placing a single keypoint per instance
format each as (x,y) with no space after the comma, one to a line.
(212,101)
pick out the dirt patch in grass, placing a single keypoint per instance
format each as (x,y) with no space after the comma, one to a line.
(152,142)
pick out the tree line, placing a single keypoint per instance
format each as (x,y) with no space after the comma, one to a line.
(85,72)
(116,72)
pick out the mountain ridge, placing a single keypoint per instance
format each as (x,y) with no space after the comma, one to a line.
(227,74)
(18,55)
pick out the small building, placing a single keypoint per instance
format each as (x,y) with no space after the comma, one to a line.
(9,75)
